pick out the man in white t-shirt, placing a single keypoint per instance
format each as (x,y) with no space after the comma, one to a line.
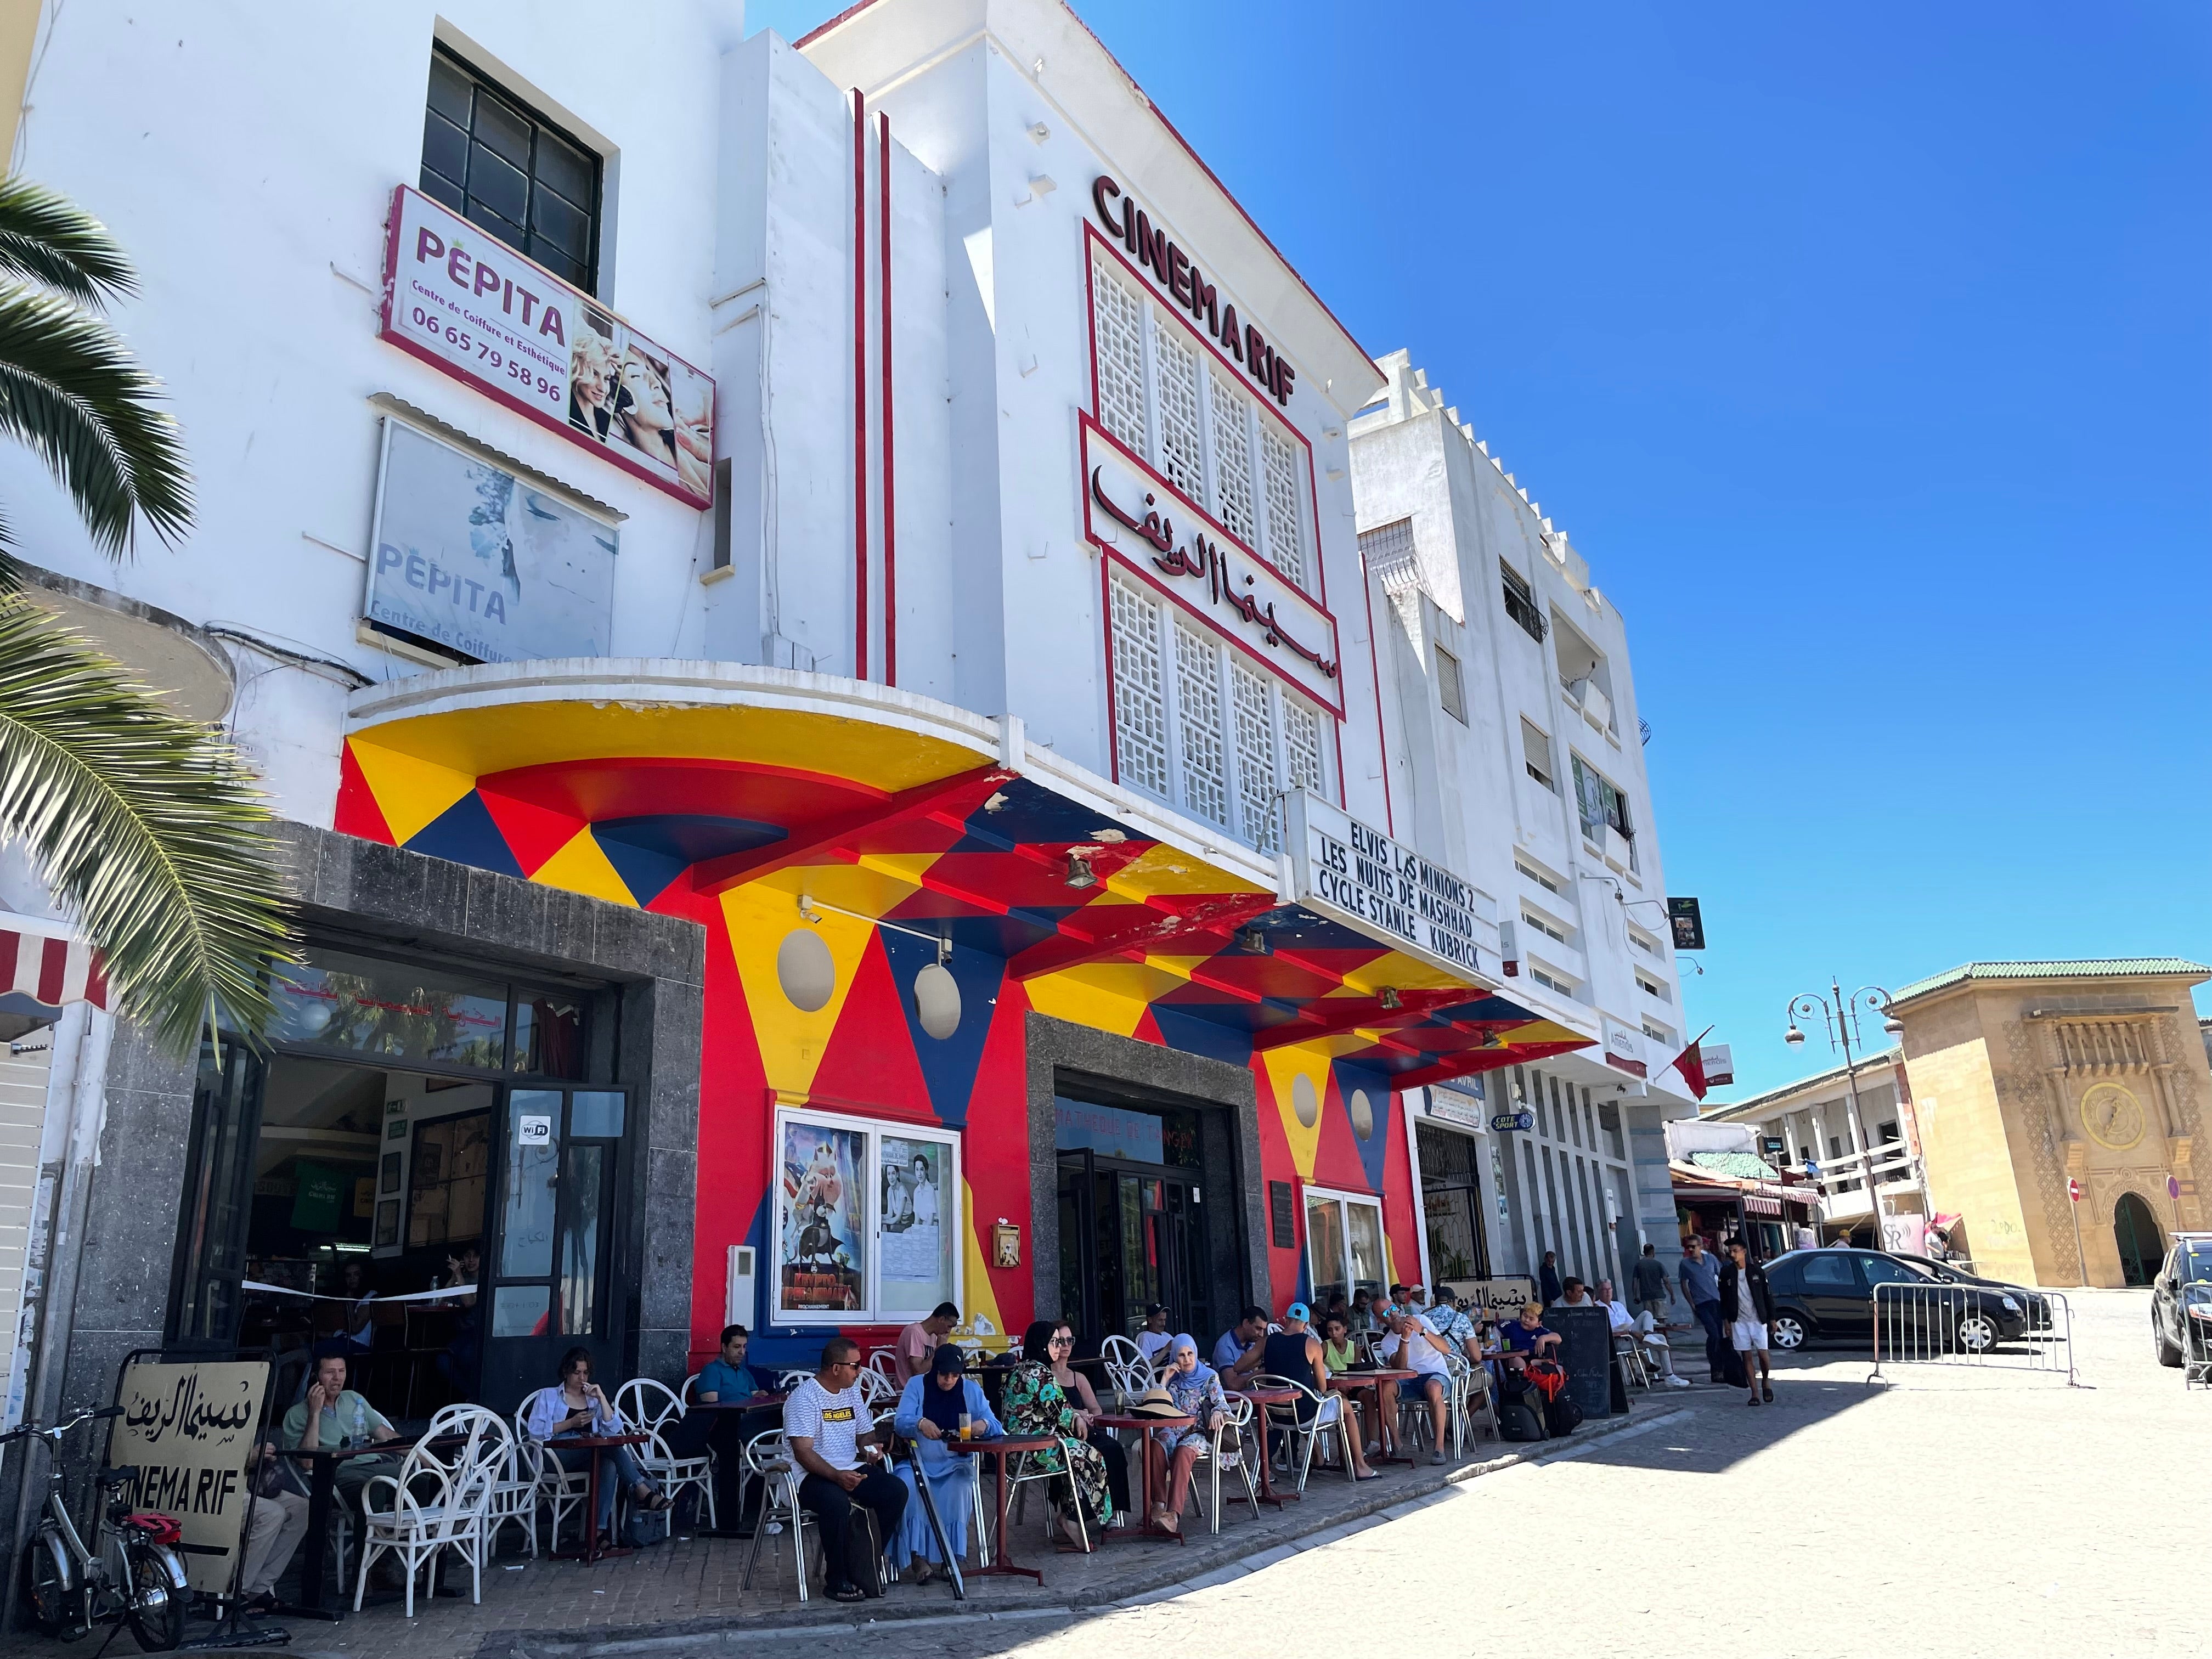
(832,1437)
(1414,1344)
(1642,1329)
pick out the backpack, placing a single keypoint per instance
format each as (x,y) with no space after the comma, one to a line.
(864,1555)
(1561,1416)
(1520,1411)
(1548,1375)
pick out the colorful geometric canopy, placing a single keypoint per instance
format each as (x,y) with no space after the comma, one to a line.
(668,806)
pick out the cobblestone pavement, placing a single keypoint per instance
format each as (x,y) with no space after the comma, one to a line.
(1954,1512)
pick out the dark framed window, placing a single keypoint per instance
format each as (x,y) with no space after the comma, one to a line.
(496,162)
(1520,602)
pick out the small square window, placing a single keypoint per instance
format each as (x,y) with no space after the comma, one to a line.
(505,167)
(1451,690)
(1536,754)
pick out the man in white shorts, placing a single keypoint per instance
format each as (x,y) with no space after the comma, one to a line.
(1746,1306)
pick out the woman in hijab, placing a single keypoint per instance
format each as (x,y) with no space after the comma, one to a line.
(1195,1388)
(1037,1404)
(929,1414)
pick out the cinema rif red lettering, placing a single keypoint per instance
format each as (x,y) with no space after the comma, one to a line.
(1178,273)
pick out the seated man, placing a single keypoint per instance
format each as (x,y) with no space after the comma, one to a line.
(334,1417)
(1449,1321)
(1297,1353)
(1643,1331)
(1414,1344)
(277,1520)
(725,1380)
(1526,1338)
(1241,1343)
(919,1340)
(1153,1339)
(822,1424)
(1576,1294)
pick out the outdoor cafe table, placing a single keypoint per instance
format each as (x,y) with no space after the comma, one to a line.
(1360,1382)
(591,1549)
(1262,1398)
(1000,1448)
(322,1487)
(1146,1426)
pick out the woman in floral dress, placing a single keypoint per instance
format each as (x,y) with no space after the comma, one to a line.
(1036,1404)
(1195,1388)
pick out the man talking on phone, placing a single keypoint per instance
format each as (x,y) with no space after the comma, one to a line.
(832,1437)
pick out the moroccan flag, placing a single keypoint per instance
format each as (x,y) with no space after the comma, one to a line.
(1691,1063)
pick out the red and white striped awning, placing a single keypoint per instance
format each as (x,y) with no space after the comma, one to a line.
(52,970)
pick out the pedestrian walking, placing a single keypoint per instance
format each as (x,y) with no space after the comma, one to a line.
(1700,1276)
(1746,1305)
(1652,1289)
(1548,1278)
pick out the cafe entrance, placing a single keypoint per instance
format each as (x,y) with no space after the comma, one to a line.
(408,1129)
(1136,1219)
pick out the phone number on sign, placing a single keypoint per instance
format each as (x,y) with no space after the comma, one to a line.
(488,355)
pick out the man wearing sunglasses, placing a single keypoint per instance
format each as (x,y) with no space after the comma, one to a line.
(833,1437)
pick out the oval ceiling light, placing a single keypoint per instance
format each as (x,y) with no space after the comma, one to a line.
(805,970)
(1363,1114)
(937,1000)
(1305,1102)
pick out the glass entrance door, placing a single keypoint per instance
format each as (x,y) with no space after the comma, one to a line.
(547,1281)
(1130,1234)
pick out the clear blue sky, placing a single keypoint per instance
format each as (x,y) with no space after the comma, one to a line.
(1866,352)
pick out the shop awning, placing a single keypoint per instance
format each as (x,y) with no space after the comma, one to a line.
(658,784)
(50,968)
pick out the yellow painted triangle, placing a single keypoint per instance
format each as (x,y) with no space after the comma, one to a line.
(410,793)
(977,1295)
(582,866)
(791,1041)
(1064,996)
(1285,1066)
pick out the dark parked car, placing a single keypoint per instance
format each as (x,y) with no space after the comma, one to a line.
(1829,1296)
(2182,1293)
(1950,1273)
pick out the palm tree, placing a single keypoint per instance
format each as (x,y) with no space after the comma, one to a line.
(149,826)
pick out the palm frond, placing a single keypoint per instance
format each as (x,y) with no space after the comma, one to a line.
(47,238)
(147,825)
(71,390)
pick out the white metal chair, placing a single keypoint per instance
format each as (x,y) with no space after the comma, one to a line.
(1469,1397)
(769,1461)
(879,1392)
(1026,1469)
(789,1380)
(432,1507)
(883,1364)
(1328,1413)
(560,1488)
(487,1438)
(650,1408)
(1126,1370)
(1232,1438)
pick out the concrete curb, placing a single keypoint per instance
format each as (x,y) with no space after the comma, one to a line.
(1190,1569)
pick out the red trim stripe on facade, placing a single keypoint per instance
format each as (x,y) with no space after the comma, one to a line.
(890,519)
(860,385)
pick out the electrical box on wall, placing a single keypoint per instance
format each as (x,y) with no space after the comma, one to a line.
(737,1301)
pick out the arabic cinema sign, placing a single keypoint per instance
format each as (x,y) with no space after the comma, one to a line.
(187,1435)
(1154,533)
(1175,271)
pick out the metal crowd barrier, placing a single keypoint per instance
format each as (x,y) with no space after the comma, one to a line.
(1931,1324)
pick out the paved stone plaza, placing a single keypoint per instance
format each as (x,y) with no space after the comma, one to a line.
(1960,1512)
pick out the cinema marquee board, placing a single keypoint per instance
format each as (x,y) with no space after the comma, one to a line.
(187,1433)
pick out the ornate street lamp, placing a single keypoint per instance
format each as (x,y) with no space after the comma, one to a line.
(1839,1014)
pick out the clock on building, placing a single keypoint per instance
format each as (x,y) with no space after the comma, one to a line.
(2112,1115)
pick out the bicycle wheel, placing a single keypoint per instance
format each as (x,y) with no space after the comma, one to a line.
(50,1584)
(158,1595)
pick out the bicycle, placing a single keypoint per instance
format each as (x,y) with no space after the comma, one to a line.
(136,1574)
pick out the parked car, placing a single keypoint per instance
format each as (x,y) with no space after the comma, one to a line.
(1829,1296)
(1950,1273)
(2183,1291)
